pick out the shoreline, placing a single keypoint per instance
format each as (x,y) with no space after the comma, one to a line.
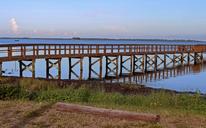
(123,88)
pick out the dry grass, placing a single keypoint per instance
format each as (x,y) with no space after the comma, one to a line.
(39,115)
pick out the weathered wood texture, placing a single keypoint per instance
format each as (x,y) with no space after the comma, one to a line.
(107,112)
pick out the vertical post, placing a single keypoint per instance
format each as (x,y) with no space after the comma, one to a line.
(143,63)
(70,68)
(134,63)
(0,68)
(100,66)
(165,60)
(155,62)
(33,68)
(121,64)
(81,68)
(201,57)
(188,58)
(182,59)
(106,66)
(20,68)
(47,68)
(117,67)
(90,67)
(131,63)
(146,62)
(174,60)
(59,69)
(195,58)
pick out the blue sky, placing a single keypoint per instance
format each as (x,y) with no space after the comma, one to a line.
(170,19)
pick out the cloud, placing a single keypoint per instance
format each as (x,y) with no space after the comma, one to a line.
(14,26)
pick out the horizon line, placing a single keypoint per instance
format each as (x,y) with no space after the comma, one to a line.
(99,38)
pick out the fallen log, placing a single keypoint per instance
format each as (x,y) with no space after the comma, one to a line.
(63,107)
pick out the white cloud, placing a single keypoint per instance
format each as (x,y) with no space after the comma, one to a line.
(14,26)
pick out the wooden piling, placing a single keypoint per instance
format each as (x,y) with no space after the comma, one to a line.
(1,68)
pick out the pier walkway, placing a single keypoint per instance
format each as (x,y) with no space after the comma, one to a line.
(120,59)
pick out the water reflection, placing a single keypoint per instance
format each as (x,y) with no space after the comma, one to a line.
(182,78)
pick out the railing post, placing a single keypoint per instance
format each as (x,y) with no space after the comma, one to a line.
(105,49)
(45,49)
(34,50)
(60,49)
(10,52)
(24,51)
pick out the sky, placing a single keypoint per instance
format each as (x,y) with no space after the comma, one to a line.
(161,19)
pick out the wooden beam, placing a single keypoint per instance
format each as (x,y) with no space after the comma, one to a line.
(1,69)
(63,107)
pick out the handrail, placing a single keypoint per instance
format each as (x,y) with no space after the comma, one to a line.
(23,51)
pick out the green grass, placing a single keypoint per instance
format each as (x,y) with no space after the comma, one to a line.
(43,91)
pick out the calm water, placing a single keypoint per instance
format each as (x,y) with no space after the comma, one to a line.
(191,78)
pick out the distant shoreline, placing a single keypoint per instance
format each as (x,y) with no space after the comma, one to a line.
(78,38)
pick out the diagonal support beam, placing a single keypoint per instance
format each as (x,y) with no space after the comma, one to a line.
(112,66)
(72,65)
(138,64)
(92,64)
(123,65)
(27,67)
(50,64)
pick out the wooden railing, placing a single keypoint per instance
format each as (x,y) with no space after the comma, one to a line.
(33,51)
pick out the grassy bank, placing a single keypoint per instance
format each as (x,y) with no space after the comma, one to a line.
(41,91)
(167,104)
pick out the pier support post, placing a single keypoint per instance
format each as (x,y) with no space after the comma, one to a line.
(177,59)
(91,67)
(182,59)
(155,62)
(124,67)
(188,58)
(112,66)
(1,69)
(146,61)
(165,61)
(30,67)
(198,58)
(53,63)
(72,66)
(160,62)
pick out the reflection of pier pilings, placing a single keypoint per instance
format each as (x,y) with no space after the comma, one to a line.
(23,66)
(198,58)
(160,74)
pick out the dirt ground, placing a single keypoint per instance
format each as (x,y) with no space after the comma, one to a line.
(20,114)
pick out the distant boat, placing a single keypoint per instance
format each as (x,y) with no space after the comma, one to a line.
(16,40)
(76,38)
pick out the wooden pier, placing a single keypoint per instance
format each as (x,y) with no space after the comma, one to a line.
(120,59)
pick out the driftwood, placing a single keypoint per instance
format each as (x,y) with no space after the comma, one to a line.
(107,112)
